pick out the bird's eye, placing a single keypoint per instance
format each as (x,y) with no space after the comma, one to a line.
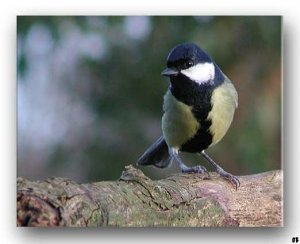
(189,63)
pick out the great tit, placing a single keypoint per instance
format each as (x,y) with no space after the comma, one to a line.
(198,110)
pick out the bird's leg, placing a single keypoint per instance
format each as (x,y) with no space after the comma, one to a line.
(233,179)
(183,168)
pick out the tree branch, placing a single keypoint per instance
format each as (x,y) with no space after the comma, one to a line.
(185,200)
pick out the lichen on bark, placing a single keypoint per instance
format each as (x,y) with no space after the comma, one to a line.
(183,200)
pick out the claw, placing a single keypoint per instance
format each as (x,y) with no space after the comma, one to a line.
(231,178)
(200,169)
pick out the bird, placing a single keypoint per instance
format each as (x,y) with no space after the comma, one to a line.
(198,108)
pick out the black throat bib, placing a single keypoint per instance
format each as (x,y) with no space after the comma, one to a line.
(199,98)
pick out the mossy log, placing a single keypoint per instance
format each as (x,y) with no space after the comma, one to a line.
(185,200)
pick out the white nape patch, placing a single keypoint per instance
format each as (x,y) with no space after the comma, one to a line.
(200,73)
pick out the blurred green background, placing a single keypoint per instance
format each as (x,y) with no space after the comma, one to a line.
(90,91)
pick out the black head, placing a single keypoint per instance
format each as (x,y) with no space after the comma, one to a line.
(190,61)
(186,55)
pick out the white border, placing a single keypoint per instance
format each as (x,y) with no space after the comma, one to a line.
(289,9)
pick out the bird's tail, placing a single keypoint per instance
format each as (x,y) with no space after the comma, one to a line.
(157,155)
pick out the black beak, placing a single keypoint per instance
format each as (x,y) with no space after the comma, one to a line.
(170,72)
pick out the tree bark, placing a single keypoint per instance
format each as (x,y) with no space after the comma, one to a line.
(186,200)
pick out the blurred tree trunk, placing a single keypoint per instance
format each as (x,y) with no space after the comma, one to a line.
(181,200)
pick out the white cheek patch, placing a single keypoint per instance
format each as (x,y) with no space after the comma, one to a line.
(200,73)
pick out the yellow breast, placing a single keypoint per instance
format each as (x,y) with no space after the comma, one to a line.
(224,101)
(178,122)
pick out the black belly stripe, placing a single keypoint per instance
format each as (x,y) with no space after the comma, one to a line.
(199,97)
(200,141)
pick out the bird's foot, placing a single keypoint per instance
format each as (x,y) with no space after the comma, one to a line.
(185,169)
(196,169)
(231,178)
